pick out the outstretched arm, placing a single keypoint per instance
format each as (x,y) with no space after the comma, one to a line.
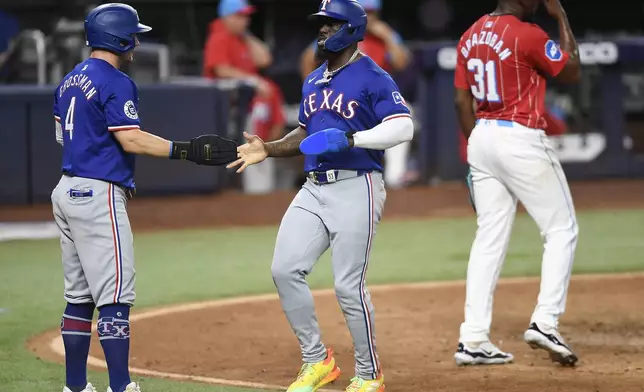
(206,149)
(391,132)
(288,146)
(136,141)
(385,135)
(256,150)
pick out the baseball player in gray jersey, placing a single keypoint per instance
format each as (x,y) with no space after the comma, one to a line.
(351,111)
(97,122)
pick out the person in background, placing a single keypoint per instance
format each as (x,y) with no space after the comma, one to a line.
(233,52)
(9,30)
(386,48)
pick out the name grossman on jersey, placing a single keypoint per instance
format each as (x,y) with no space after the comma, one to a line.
(81,81)
(487,38)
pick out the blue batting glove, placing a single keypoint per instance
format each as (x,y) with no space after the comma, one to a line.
(328,140)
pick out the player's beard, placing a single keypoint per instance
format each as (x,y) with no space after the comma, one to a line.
(322,55)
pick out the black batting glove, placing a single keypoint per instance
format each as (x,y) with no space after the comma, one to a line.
(211,150)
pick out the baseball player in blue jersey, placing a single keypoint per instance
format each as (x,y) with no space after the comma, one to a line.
(351,111)
(97,122)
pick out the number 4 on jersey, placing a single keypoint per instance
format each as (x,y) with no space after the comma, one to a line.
(485,77)
(69,118)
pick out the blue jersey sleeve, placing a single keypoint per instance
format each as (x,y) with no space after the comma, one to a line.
(122,105)
(386,100)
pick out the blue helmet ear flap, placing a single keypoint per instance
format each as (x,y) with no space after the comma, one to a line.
(354,17)
(344,38)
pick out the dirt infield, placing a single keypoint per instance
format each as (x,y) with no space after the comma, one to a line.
(417,325)
(417,329)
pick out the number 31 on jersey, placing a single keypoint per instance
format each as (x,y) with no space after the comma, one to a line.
(485,76)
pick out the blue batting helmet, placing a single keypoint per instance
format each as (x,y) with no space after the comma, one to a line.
(112,27)
(348,11)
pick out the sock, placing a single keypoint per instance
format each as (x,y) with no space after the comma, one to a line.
(114,334)
(76,328)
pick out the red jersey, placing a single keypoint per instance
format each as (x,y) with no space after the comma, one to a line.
(376,49)
(225,48)
(502,60)
(267,112)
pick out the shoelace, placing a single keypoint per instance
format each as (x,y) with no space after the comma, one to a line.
(356,384)
(304,371)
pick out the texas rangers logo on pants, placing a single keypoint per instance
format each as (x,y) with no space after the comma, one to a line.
(113,328)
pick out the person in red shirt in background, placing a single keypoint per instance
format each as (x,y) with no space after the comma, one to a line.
(386,48)
(232,52)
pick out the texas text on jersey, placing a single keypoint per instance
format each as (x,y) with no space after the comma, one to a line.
(351,101)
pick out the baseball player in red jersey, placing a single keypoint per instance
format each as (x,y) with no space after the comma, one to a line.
(502,64)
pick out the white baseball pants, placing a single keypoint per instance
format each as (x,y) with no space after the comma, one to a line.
(510,162)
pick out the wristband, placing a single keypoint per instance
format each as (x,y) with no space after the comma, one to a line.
(180,150)
(350,138)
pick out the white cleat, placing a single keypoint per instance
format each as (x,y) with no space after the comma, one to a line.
(484,353)
(131,387)
(88,388)
(550,340)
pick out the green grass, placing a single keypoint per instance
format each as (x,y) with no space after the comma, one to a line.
(190,265)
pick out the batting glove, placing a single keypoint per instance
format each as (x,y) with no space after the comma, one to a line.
(328,140)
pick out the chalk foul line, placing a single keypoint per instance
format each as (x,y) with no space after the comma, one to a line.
(57,347)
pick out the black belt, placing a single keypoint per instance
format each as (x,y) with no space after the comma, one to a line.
(331,176)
